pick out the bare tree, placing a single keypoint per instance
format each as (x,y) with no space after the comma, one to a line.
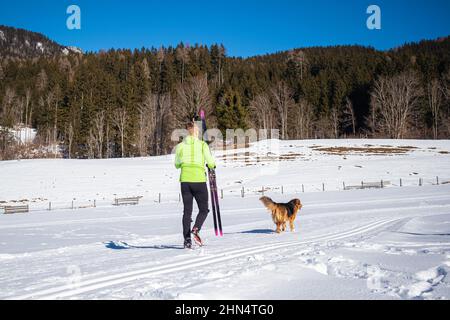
(197,53)
(143,133)
(160,55)
(56,96)
(163,106)
(98,133)
(7,149)
(299,59)
(446,83)
(48,101)
(282,97)
(371,121)
(323,128)
(303,120)
(145,69)
(394,100)
(66,67)
(120,120)
(147,123)
(69,137)
(434,91)
(27,116)
(42,80)
(261,108)
(349,115)
(91,144)
(335,121)
(446,92)
(107,141)
(20,105)
(10,111)
(222,54)
(182,54)
(191,96)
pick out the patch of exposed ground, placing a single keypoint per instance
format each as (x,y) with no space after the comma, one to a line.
(366,150)
(254,157)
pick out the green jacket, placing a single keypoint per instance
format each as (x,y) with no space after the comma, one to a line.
(191,155)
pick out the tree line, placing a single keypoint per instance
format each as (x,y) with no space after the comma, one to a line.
(125,103)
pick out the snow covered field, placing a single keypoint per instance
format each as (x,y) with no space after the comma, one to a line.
(391,243)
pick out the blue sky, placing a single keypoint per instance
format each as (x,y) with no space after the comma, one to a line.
(245,27)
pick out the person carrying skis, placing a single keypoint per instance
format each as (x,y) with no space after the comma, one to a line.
(191,156)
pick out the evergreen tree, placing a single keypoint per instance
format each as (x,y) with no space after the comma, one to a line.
(230,113)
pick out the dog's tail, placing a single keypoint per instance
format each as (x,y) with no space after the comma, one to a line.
(268,203)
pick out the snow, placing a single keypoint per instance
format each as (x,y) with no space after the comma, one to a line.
(75,49)
(2,36)
(40,46)
(293,164)
(390,243)
(67,50)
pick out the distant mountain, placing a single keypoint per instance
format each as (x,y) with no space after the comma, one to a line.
(26,44)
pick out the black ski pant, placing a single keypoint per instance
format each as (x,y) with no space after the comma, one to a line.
(189,192)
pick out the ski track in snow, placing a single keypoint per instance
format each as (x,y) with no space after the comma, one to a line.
(99,283)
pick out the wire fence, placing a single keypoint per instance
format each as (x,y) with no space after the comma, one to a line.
(225,193)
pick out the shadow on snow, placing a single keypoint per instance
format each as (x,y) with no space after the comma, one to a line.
(255,231)
(120,245)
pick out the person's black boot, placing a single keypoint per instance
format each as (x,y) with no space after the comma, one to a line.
(188,244)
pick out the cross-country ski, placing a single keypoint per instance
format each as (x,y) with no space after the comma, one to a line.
(212,186)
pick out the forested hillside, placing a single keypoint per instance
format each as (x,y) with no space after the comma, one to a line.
(119,103)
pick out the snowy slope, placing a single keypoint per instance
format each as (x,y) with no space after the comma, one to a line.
(391,243)
(287,163)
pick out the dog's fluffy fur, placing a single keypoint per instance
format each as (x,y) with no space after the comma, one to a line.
(282,212)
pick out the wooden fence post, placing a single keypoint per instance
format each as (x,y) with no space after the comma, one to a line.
(303,188)
(343,184)
(401,182)
(221,193)
(50,206)
(437,180)
(323,187)
(159,197)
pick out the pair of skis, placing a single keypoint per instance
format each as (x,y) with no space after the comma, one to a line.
(213,188)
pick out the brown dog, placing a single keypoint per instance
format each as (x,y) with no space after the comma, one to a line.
(283,212)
